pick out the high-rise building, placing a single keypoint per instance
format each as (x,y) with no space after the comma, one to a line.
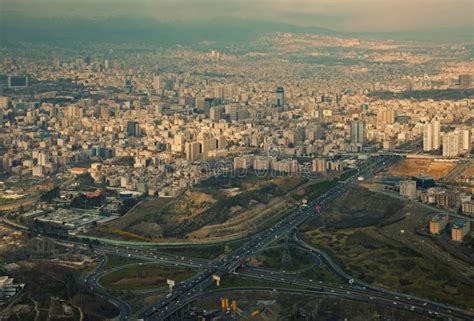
(428,137)
(201,150)
(438,223)
(431,136)
(319,165)
(232,112)
(219,92)
(460,229)
(73,112)
(200,103)
(358,132)
(230,91)
(128,85)
(193,151)
(408,188)
(465,142)
(436,134)
(468,208)
(157,83)
(104,112)
(451,144)
(3,102)
(132,128)
(280,97)
(386,116)
(217,113)
(465,81)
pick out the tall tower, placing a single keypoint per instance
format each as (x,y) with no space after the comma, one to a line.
(466,140)
(219,92)
(133,128)
(128,85)
(157,83)
(427,137)
(465,81)
(436,134)
(451,144)
(431,136)
(280,97)
(357,132)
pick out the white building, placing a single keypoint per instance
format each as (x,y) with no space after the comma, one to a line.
(451,144)
(431,136)
(408,189)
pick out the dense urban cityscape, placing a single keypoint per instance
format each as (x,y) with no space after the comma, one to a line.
(298,174)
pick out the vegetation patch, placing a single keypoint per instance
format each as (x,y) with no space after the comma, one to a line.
(297,260)
(143,276)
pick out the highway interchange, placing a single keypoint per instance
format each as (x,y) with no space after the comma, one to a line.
(190,290)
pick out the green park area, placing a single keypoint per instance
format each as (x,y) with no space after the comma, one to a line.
(143,276)
(114,261)
(294,259)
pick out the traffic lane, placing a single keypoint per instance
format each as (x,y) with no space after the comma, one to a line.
(339,271)
(91,283)
(395,299)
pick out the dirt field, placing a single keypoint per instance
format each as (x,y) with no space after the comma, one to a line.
(411,167)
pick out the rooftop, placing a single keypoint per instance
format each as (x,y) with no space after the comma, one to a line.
(459,224)
(438,217)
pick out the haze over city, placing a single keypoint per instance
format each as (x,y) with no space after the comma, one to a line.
(341,15)
(236,160)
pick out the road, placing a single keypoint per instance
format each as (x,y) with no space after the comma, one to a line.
(442,308)
(153,256)
(366,294)
(359,291)
(342,293)
(428,206)
(91,282)
(457,171)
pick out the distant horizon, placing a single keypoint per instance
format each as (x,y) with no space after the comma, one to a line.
(15,28)
(339,15)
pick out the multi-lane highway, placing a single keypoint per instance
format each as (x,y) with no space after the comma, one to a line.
(359,291)
(368,294)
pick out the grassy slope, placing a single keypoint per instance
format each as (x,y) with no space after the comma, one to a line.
(356,238)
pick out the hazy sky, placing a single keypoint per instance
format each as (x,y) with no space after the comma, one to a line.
(348,15)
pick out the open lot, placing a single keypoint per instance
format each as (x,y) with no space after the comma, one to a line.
(416,166)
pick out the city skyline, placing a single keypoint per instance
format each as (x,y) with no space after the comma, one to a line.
(236,160)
